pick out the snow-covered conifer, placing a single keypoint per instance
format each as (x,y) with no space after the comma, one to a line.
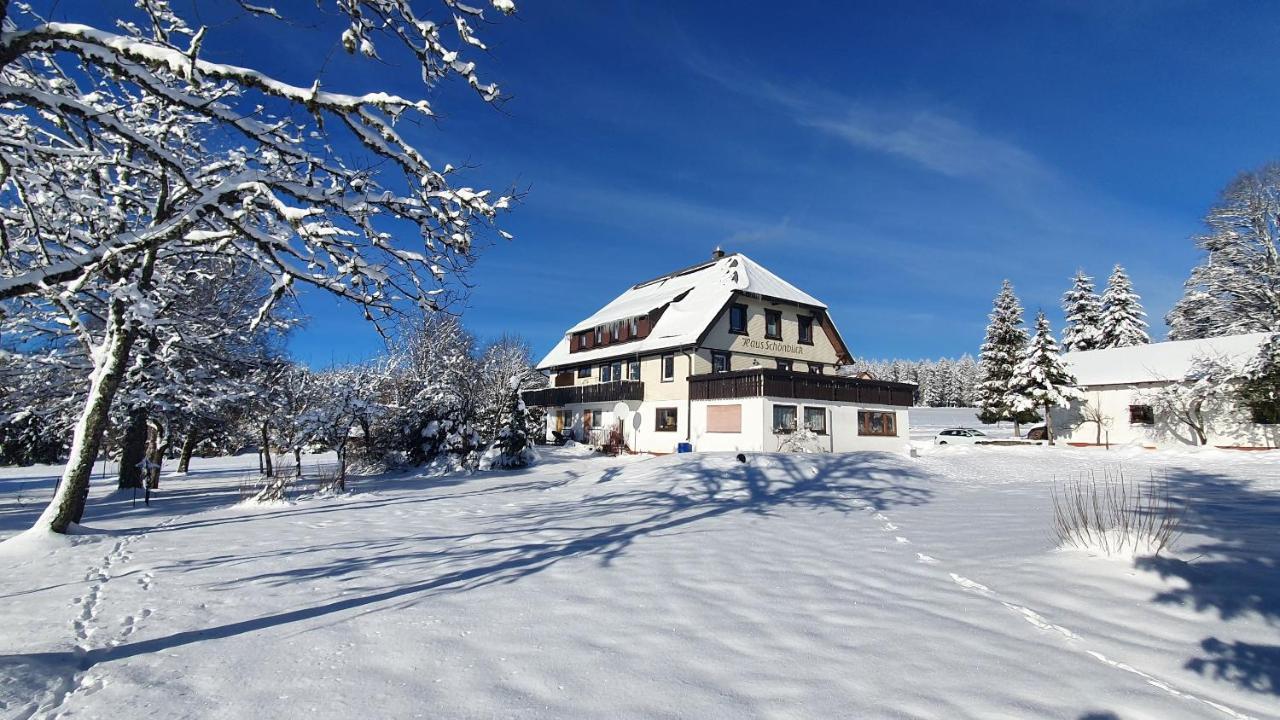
(1001,352)
(1236,287)
(1083,309)
(1259,389)
(1041,381)
(1123,319)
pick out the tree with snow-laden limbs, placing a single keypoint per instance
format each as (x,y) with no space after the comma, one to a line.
(1083,309)
(1123,319)
(1208,379)
(1001,352)
(1236,287)
(1041,381)
(123,150)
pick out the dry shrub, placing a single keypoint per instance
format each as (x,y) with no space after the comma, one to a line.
(1115,515)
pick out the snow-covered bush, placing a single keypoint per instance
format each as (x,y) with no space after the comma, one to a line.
(511,448)
(802,440)
(1114,515)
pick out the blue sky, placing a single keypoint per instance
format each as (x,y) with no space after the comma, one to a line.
(895,162)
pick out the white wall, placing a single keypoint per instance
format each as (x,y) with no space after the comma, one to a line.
(757,427)
(1226,424)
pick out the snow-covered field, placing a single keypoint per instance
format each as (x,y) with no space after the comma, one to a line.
(861,585)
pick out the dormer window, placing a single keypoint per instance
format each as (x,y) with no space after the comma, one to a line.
(599,337)
(614,329)
(635,327)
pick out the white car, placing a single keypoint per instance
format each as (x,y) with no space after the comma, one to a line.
(960,436)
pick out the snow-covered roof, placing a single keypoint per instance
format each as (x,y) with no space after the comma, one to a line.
(696,295)
(1158,362)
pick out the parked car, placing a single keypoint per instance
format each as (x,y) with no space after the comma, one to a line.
(1038,433)
(960,436)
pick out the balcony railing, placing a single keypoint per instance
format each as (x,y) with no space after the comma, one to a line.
(763,382)
(594,393)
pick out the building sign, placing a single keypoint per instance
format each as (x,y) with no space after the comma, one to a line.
(774,346)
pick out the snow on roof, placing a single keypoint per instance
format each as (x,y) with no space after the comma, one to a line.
(1158,361)
(696,295)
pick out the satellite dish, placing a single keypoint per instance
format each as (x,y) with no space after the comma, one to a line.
(621,410)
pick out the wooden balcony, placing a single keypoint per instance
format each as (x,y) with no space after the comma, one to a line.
(594,393)
(764,382)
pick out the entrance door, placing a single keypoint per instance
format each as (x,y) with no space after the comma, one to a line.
(559,421)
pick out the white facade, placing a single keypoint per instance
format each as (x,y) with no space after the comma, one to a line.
(649,360)
(1119,383)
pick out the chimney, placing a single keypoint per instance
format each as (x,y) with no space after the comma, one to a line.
(717,253)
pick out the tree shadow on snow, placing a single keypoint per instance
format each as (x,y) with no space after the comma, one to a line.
(525,538)
(1232,532)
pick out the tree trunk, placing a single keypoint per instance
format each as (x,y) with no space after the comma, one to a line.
(133,449)
(157,448)
(1048,424)
(266,451)
(188,447)
(297,461)
(67,505)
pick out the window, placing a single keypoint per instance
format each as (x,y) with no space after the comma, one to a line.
(719,362)
(773,324)
(815,368)
(668,368)
(1141,415)
(724,418)
(635,327)
(1266,413)
(806,329)
(784,419)
(584,371)
(738,319)
(665,421)
(584,339)
(876,422)
(815,418)
(606,373)
(614,329)
(784,364)
(595,419)
(599,337)
(633,370)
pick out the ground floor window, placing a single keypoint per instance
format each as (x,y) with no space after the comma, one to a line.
(784,419)
(592,418)
(665,421)
(815,419)
(724,418)
(877,422)
(1141,415)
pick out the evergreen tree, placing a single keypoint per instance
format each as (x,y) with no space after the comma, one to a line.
(1236,287)
(511,449)
(1001,353)
(1041,381)
(1084,315)
(1260,389)
(1123,319)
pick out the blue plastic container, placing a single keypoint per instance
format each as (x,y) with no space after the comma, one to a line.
(684,447)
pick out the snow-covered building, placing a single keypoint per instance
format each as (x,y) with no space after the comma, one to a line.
(723,355)
(1121,386)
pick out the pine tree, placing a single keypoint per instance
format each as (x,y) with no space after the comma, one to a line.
(1041,381)
(1084,315)
(1001,353)
(1260,389)
(1123,319)
(1236,287)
